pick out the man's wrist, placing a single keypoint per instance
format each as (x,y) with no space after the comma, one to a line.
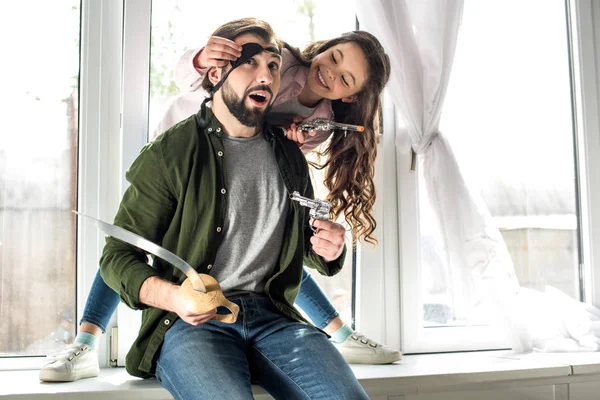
(156,292)
(196,60)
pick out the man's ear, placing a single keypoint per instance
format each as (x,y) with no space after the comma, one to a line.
(350,99)
(215,74)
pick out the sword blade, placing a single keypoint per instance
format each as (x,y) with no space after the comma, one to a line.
(136,240)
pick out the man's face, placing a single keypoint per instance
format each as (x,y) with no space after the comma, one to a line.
(250,89)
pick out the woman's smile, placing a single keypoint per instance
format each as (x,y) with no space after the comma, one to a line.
(319,78)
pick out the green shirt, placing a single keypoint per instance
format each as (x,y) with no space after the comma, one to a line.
(175,200)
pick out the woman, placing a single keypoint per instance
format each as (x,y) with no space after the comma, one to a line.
(340,78)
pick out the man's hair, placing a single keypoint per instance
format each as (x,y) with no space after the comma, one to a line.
(239,27)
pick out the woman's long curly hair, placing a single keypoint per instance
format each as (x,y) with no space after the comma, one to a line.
(350,159)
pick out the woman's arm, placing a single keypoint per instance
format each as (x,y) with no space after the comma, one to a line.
(194,63)
(187,77)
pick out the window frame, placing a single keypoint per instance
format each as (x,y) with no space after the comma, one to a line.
(111,34)
(583,17)
(99,148)
(584,29)
(99,115)
(137,26)
(392,317)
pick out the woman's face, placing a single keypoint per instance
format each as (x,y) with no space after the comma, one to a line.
(339,72)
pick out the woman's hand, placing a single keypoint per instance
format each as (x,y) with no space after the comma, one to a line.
(218,52)
(292,132)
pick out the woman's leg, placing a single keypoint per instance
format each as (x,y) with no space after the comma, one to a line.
(314,302)
(355,347)
(80,360)
(99,307)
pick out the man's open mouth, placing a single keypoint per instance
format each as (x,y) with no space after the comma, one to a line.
(259,98)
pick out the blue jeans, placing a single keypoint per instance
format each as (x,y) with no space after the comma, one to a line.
(289,359)
(103,301)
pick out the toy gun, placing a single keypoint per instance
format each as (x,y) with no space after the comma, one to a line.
(319,209)
(323,124)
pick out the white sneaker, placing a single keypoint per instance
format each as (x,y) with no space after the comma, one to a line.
(77,361)
(359,349)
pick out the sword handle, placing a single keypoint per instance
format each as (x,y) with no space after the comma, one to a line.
(197,282)
(201,303)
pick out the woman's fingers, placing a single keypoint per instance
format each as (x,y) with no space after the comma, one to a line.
(219,52)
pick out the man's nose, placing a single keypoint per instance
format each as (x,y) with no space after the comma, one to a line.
(265,75)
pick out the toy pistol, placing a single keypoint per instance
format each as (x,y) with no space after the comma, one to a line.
(323,124)
(319,209)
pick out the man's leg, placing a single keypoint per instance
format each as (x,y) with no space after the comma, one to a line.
(292,360)
(207,361)
(80,359)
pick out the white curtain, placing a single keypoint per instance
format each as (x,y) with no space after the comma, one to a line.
(420,38)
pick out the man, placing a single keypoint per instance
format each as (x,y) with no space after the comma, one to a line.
(215,189)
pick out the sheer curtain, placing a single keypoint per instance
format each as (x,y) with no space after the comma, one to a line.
(420,37)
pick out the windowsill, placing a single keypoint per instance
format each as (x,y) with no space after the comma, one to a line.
(407,376)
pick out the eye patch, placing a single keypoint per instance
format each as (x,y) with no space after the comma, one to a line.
(249,50)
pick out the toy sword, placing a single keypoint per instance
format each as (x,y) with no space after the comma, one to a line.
(136,240)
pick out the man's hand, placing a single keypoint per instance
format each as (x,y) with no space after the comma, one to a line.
(218,52)
(292,132)
(159,293)
(328,242)
(179,305)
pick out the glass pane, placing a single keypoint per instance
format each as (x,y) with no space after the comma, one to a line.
(186,24)
(508,117)
(38,175)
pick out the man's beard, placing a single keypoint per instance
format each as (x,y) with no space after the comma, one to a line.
(237,107)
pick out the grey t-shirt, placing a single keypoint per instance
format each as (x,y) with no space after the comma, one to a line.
(257,203)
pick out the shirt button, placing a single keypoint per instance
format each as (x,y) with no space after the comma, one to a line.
(209,266)
(167,322)
(223,191)
(218,229)
(220,154)
(218,129)
(210,129)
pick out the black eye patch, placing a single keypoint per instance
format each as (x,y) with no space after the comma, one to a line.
(249,50)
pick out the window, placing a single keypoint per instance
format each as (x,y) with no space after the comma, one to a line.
(508,116)
(38,175)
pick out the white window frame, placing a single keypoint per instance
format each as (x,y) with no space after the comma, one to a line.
(137,23)
(584,16)
(99,112)
(585,20)
(391,269)
(99,148)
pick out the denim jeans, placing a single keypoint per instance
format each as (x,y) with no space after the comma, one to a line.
(289,359)
(103,301)
(101,304)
